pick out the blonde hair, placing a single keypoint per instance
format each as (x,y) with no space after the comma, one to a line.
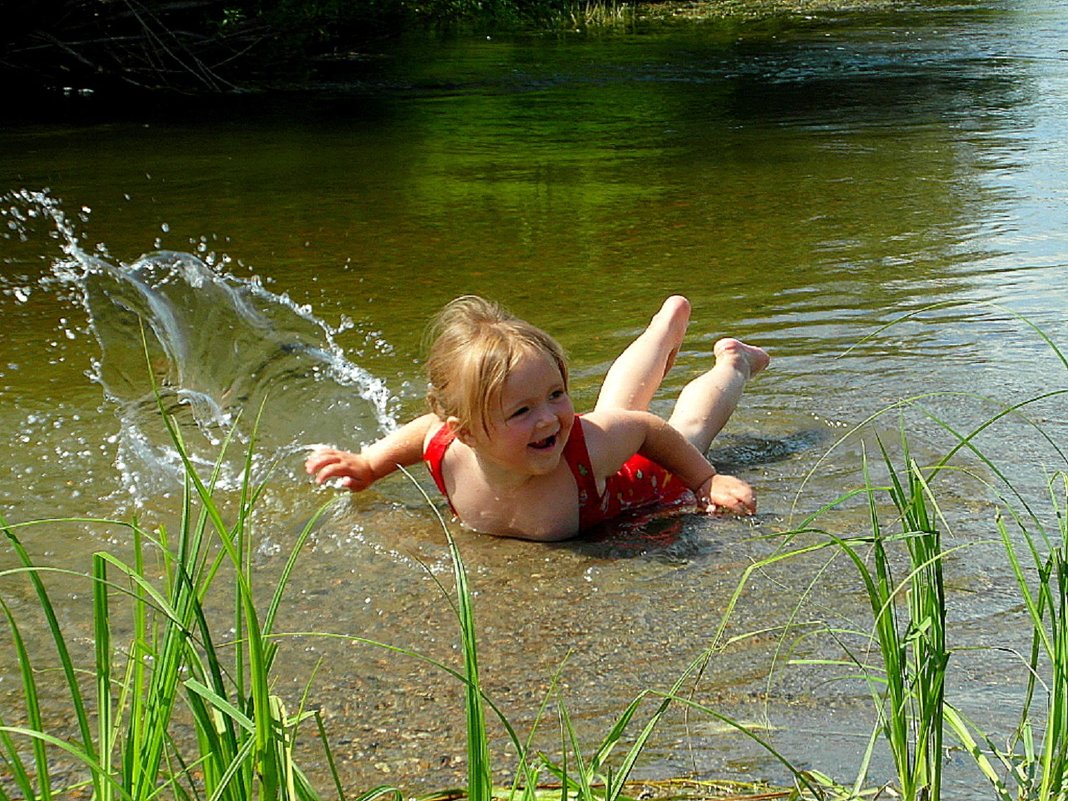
(475,345)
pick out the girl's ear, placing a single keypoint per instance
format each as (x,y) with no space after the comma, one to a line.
(462,432)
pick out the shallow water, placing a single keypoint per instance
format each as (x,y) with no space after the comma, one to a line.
(805,181)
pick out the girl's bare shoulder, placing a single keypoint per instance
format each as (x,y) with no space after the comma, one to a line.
(434,425)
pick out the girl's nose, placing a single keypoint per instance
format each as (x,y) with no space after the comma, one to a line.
(546,416)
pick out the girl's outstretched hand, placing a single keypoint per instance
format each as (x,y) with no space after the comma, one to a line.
(353,469)
(727,494)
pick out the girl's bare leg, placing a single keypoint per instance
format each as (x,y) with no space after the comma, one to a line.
(636,375)
(707,402)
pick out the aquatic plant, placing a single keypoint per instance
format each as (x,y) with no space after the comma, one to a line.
(1035,759)
(909,689)
(1044,774)
(907,684)
(1039,772)
(908,631)
(244,734)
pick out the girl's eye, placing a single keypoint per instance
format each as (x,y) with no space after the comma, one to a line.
(518,412)
(557,394)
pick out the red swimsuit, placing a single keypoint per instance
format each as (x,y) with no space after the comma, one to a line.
(640,482)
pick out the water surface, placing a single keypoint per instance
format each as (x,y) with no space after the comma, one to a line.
(804,181)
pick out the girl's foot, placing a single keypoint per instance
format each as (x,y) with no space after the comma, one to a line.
(748,358)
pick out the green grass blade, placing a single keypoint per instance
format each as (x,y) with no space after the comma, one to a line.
(221,704)
(77,702)
(799,776)
(382,791)
(102,640)
(959,727)
(225,782)
(582,770)
(33,706)
(99,773)
(479,773)
(12,759)
(287,571)
(320,727)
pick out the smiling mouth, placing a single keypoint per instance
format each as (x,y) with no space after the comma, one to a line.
(544,444)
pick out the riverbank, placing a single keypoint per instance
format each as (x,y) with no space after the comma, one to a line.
(222,51)
(749,10)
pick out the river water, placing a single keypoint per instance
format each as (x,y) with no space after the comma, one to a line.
(880,198)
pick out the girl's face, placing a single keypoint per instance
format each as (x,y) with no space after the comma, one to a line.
(527,433)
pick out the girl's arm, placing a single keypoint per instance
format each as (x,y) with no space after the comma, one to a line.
(358,471)
(617,435)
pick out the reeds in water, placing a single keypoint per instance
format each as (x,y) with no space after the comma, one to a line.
(904,653)
(1035,760)
(243,732)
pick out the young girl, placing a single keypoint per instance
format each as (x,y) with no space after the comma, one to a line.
(504,445)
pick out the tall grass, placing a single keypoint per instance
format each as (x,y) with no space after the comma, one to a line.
(908,623)
(1043,773)
(1035,760)
(909,686)
(1038,772)
(598,13)
(904,654)
(244,734)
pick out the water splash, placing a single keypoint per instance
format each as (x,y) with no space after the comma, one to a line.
(219,350)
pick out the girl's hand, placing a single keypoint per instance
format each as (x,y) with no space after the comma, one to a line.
(727,494)
(353,469)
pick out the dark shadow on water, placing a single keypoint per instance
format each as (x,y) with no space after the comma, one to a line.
(662,535)
(737,454)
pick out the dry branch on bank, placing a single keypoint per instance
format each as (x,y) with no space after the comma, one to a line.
(92,44)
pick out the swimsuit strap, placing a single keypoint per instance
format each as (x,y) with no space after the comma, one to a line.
(434,455)
(575,454)
(577,457)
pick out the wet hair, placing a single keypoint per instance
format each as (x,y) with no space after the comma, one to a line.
(475,343)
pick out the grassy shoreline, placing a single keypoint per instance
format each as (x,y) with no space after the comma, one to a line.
(748,10)
(207,48)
